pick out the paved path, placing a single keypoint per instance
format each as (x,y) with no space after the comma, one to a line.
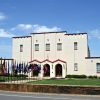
(4,95)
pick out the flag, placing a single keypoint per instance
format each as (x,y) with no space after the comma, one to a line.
(27,67)
(37,68)
(14,67)
(22,68)
(8,68)
(5,68)
(19,68)
(30,66)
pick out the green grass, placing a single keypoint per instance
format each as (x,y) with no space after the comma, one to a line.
(81,82)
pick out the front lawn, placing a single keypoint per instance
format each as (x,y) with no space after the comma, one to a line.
(90,82)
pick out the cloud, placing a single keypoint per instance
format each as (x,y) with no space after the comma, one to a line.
(78,31)
(4,33)
(2,16)
(95,34)
(38,28)
(35,28)
(22,27)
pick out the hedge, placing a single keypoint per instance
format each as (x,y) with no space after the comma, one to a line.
(76,76)
(93,77)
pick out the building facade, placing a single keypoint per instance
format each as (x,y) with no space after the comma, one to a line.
(57,53)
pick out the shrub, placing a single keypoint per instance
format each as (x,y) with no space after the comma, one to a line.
(93,77)
(2,80)
(53,78)
(4,74)
(76,76)
(21,75)
(99,77)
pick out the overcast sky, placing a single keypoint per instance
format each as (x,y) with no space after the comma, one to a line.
(22,17)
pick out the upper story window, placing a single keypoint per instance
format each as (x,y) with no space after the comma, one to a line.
(21,48)
(36,40)
(59,39)
(98,68)
(36,47)
(75,45)
(59,46)
(47,39)
(48,47)
(75,66)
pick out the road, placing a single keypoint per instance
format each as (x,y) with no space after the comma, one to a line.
(5,95)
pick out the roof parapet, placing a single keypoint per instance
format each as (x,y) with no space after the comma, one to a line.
(50,32)
(75,33)
(21,37)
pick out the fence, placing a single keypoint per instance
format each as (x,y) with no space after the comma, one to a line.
(12,71)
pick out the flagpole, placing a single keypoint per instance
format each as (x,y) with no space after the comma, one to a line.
(8,70)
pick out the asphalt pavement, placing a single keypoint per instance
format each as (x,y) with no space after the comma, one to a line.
(6,95)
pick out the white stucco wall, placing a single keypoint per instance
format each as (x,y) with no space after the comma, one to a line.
(67,54)
(24,56)
(75,56)
(42,39)
(91,64)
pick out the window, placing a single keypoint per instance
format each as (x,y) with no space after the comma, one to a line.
(36,47)
(75,45)
(75,67)
(98,67)
(47,47)
(36,40)
(47,39)
(21,48)
(59,46)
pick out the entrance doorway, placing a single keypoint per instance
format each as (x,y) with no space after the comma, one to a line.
(35,70)
(58,70)
(46,69)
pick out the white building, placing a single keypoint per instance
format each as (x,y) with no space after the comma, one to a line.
(60,52)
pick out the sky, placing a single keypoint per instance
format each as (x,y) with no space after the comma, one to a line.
(22,17)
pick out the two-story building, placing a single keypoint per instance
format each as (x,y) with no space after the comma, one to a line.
(57,53)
